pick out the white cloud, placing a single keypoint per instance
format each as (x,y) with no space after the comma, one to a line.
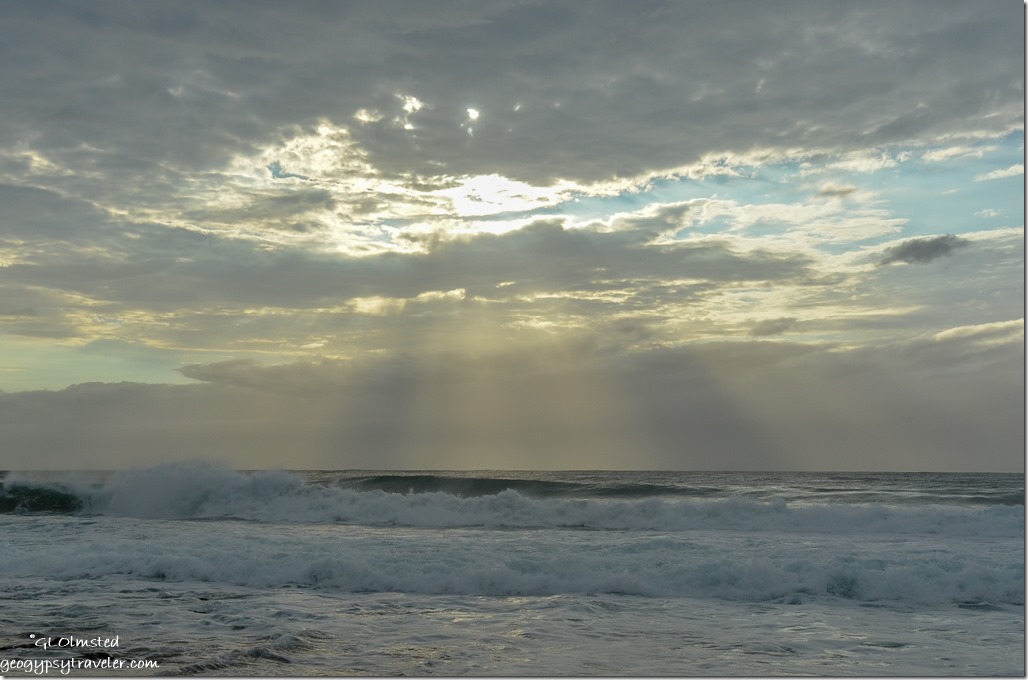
(366,116)
(411,105)
(1012,171)
(378,305)
(864,162)
(997,333)
(960,151)
(814,222)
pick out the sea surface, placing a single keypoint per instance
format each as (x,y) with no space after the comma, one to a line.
(207,571)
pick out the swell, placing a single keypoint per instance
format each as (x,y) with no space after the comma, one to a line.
(470,487)
(464,487)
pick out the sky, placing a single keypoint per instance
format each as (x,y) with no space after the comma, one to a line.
(730,235)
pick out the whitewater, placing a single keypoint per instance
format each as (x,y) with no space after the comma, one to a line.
(210,571)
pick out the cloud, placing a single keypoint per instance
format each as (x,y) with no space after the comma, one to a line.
(812,222)
(243,295)
(864,162)
(836,190)
(267,211)
(34,213)
(1012,171)
(961,151)
(924,249)
(769,327)
(997,333)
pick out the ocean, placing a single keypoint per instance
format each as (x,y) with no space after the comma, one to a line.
(194,569)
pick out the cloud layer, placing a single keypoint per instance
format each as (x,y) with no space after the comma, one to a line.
(563,90)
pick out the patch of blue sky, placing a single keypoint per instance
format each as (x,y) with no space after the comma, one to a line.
(588,208)
(777,183)
(948,197)
(396,222)
(55,367)
(714,225)
(750,185)
(933,197)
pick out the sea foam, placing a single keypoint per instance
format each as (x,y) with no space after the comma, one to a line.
(787,568)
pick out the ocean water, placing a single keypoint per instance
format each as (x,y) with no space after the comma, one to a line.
(207,571)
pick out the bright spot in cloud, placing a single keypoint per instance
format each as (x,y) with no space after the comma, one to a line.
(491,194)
(435,295)
(411,105)
(472,114)
(326,153)
(378,305)
(366,116)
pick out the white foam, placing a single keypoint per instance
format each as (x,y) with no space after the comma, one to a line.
(747,566)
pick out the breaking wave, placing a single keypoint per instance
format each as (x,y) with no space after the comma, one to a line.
(205,491)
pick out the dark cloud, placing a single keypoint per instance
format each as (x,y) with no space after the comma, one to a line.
(268,209)
(606,89)
(920,250)
(307,379)
(836,190)
(771,327)
(34,214)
